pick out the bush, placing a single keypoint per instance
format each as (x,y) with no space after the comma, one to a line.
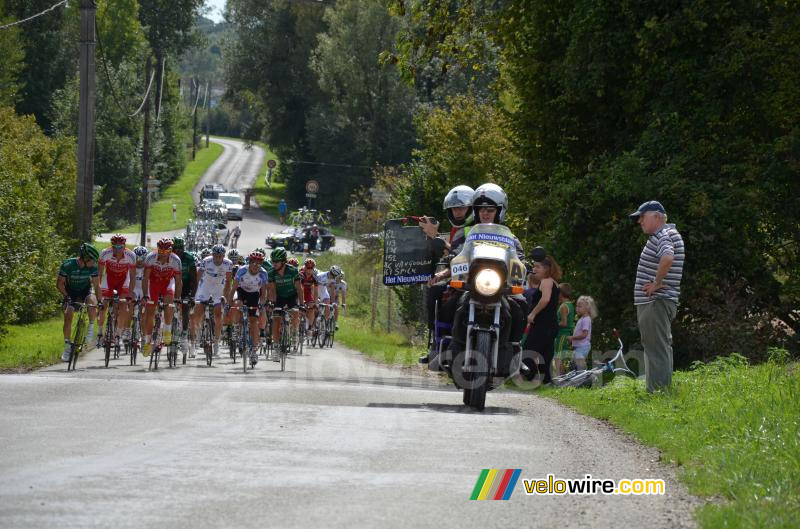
(37,186)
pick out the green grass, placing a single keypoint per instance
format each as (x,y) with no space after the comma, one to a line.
(389,348)
(734,429)
(32,346)
(159,217)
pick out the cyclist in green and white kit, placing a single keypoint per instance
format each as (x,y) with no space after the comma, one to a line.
(78,278)
(284,290)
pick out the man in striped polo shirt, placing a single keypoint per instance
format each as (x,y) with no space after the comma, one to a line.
(658,286)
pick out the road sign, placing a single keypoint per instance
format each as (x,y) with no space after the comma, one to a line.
(271,164)
(312,186)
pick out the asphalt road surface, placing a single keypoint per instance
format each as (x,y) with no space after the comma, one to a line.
(336,441)
(237,169)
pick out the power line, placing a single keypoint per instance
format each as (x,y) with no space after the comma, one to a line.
(146,94)
(37,15)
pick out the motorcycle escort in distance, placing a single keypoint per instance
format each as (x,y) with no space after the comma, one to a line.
(485,274)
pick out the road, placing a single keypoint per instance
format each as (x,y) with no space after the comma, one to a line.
(336,441)
(237,169)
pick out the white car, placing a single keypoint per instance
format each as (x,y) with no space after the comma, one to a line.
(233,202)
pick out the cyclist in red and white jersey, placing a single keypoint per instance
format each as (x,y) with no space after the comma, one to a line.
(308,280)
(117,272)
(162,279)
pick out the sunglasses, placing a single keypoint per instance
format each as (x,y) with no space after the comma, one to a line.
(164,251)
(118,246)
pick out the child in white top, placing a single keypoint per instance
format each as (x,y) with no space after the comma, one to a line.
(581,339)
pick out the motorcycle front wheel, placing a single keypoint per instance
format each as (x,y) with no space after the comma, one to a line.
(477,381)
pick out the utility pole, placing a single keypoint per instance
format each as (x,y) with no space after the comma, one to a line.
(194,111)
(86,125)
(146,151)
(207,104)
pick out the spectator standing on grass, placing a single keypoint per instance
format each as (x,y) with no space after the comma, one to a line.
(282,208)
(531,288)
(581,338)
(566,324)
(656,291)
(542,318)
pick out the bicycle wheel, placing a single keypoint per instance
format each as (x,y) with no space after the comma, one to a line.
(78,338)
(109,333)
(208,341)
(301,337)
(331,330)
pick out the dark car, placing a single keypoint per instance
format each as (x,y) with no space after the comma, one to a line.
(294,239)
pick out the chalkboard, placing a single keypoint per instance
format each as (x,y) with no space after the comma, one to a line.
(409,257)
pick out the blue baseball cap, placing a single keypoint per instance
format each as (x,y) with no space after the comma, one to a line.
(652,205)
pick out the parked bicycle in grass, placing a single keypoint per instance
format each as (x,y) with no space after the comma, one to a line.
(77,280)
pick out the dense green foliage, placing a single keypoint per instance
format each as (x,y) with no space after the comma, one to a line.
(35,173)
(613,103)
(732,427)
(310,78)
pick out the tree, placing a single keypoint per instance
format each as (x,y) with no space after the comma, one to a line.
(13,54)
(38,218)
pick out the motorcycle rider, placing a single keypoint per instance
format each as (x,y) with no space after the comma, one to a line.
(490,204)
(458,206)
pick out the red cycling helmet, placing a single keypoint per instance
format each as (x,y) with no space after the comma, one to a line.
(293,261)
(118,239)
(165,244)
(256,256)
(311,262)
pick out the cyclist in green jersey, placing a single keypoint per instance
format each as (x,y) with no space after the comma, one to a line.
(78,277)
(189,278)
(283,290)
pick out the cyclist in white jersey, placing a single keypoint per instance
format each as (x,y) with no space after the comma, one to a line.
(250,284)
(338,290)
(214,283)
(140,252)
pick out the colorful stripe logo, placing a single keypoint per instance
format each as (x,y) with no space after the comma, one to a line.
(495,484)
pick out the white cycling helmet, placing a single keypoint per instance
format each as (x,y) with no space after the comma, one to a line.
(459,197)
(491,195)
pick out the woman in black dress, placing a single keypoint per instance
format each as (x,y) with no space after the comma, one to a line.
(543,316)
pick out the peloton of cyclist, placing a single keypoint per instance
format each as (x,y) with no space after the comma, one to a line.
(162,280)
(116,267)
(250,285)
(284,291)
(213,283)
(77,278)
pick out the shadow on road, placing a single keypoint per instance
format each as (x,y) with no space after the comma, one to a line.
(445,408)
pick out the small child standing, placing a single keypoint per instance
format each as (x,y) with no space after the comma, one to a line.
(566,325)
(581,338)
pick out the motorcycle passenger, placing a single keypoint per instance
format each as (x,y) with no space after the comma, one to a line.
(490,204)
(458,205)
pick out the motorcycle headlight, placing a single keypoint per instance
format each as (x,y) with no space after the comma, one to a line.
(487,282)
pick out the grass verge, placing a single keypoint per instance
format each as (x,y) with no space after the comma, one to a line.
(389,348)
(159,217)
(31,346)
(734,428)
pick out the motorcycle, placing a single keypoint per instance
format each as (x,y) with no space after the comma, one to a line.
(485,274)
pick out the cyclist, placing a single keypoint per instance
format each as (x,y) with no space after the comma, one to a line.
(284,290)
(214,283)
(308,279)
(116,267)
(250,285)
(189,278)
(77,277)
(162,279)
(324,280)
(338,290)
(140,252)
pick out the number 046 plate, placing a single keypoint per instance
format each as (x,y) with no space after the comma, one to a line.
(460,268)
